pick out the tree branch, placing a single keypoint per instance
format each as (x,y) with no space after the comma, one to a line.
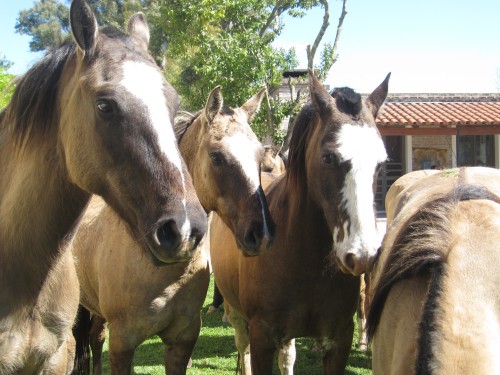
(312,51)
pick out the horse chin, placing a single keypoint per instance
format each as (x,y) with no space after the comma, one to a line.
(247,252)
(161,258)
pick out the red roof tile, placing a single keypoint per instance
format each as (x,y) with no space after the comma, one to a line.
(440,110)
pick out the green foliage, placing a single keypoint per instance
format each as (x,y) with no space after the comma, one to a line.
(4,63)
(47,23)
(6,89)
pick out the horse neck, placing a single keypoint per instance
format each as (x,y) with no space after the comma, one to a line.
(39,207)
(295,213)
(467,316)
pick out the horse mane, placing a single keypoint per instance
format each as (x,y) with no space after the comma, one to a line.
(347,100)
(296,165)
(34,98)
(183,120)
(32,109)
(421,247)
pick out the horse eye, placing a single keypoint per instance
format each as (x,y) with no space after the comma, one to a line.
(217,158)
(104,106)
(328,159)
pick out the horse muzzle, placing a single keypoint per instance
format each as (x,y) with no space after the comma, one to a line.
(173,241)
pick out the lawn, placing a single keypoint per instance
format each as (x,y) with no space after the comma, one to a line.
(215,352)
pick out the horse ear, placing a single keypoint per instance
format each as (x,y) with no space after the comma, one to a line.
(320,98)
(252,105)
(377,97)
(138,28)
(214,104)
(83,26)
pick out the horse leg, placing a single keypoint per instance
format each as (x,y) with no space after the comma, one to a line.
(241,340)
(216,301)
(286,357)
(121,350)
(97,337)
(337,351)
(361,313)
(178,350)
(263,348)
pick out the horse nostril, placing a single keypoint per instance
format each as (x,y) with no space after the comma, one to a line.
(168,235)
(253,238)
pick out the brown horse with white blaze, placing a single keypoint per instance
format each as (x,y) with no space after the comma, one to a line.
(308,284)
(89,117)
(138,300)
(435,306)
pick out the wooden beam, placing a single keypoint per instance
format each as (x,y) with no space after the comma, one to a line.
(461,130)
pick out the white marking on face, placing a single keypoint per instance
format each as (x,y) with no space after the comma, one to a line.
(363,147)
(145,83)
(244,150)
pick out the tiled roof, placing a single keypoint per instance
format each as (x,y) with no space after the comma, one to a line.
(442,110)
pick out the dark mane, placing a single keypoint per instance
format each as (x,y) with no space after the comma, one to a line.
(421,247)
(183,120)
(296,167)
(32,107)
(347,100)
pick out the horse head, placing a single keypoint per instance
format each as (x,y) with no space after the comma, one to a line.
(226,170)
(117,139)
(342,168)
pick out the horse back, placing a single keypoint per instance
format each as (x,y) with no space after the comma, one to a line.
(448,224)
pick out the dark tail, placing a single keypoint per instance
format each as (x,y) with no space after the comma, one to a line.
(81,331)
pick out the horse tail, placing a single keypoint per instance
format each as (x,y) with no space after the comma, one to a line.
(81,332)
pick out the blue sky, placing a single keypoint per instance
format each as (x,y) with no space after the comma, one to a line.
(428,45)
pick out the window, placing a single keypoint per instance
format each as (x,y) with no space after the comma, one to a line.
(476,150)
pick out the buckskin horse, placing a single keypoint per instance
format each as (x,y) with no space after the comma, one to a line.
(89,117)
(138,300)
(435,290)
(307,285)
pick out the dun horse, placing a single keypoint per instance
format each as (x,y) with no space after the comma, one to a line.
(308,284)
(88,118)
(435,288)
(138,300)
(392,196)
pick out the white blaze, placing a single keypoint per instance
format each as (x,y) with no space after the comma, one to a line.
(243,150)
(363,147)
(145,83)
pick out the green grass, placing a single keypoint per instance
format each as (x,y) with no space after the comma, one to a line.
(215,352)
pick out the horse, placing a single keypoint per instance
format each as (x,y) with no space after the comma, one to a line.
(273,161)
(90,117)
(393,195)
(323,206)
(138,300)
(435,292)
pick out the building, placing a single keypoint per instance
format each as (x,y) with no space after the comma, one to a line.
(424,131)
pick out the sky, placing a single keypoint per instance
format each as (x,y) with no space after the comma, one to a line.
(429,46)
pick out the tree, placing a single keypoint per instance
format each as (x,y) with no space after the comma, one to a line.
(6,87)
(211,42)
(47,23)
(4,63)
